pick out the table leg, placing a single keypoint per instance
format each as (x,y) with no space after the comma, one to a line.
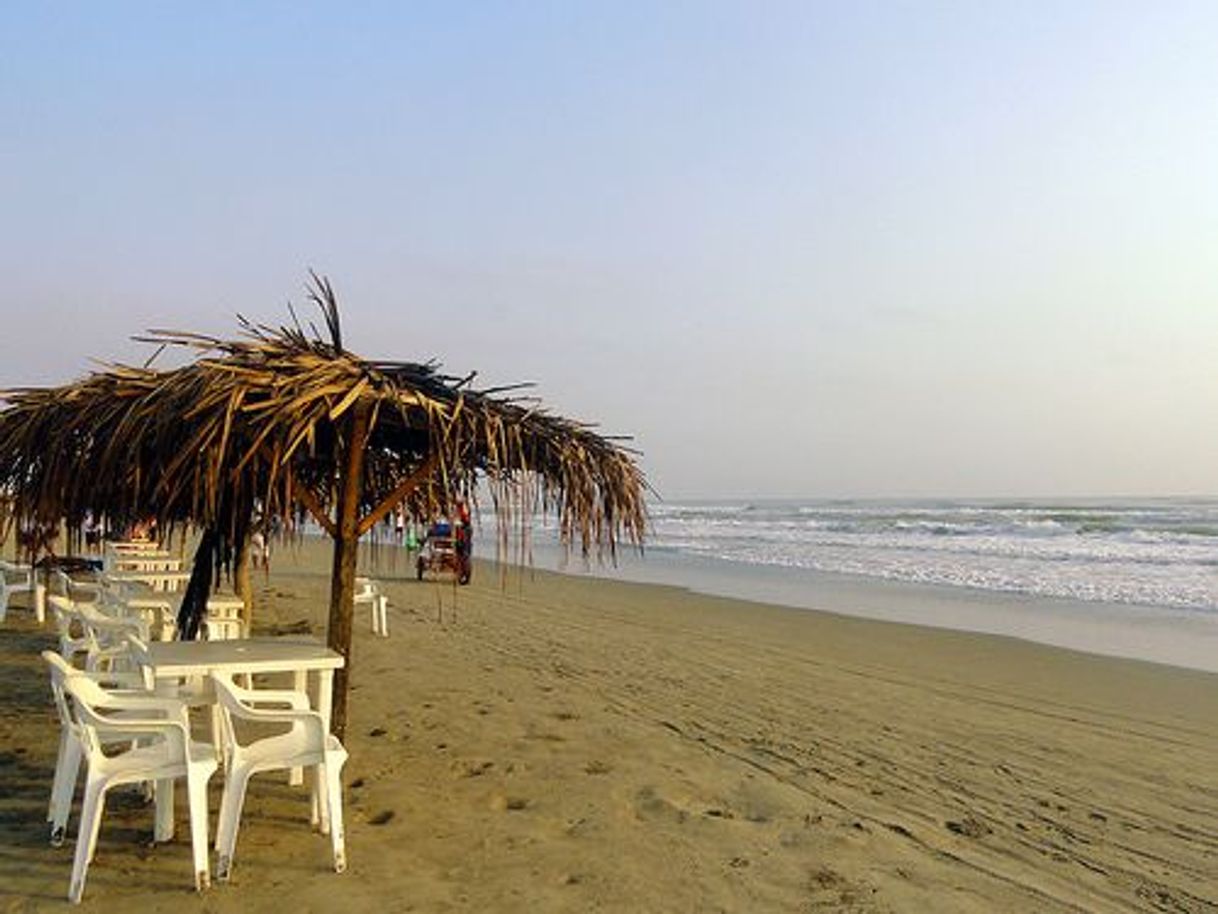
(300,683)
(163,790)
(325,696)
(325,706)
(163,829)
(163,826)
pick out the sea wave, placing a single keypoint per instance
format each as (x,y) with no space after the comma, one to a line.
(1152,552)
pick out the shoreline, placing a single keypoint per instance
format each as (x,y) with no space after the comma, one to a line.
(1157,634)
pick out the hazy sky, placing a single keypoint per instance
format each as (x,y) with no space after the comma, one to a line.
(813,249)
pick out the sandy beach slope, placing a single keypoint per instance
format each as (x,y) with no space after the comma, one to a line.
(553,743)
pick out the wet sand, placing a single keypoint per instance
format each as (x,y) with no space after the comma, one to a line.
(557,743)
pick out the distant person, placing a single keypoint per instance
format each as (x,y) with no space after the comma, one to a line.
(464,531)
(260,551)
(92,532)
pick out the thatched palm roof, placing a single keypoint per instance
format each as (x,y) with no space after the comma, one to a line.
(258,420)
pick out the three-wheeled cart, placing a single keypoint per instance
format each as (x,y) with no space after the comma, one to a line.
(442,552)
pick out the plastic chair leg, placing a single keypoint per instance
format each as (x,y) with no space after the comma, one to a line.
(61,792)
(334,800)
(86,841)
(217,736)
(319,811)
(230,817)
(300,683)
(315,806)
(197,788)
(56,786)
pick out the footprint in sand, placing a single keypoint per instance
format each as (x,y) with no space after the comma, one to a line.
(472,769)
(504,803)
(969,827)
(827,888)
(649,805)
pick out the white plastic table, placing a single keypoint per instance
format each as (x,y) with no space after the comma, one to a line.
(134,546)
(140,562)
(159,581)
(171,661)
(160,611)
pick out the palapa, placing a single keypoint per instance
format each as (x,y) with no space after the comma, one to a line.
(286,423)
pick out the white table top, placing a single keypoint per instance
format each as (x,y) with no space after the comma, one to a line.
(174,600)
(225,603)
(146,563)
(129,576)
(127,552)
(244,655)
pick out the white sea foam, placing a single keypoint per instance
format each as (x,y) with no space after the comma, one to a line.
(1158,553)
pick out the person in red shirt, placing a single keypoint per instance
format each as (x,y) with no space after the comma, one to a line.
(464,536)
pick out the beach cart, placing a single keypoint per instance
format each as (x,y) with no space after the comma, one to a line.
(441,552)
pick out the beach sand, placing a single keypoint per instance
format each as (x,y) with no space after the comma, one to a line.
(554,743)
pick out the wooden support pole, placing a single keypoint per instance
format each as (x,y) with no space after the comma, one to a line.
(346,550)
(193,609)
(245,587)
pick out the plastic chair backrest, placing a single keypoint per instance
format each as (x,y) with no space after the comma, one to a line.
(228,696)
(73,635)
(84,698)
(59,669)
(59,584)
(137,647)
(231,706)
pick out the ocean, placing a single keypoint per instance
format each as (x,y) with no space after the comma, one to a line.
(1129,577)
(1161,552)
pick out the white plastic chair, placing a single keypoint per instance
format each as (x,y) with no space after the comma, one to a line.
(171,754)
(369,591)
(73,639)
(305,743)
(22,579)
(67,760)
(78,591)
(86,629)
(193,691)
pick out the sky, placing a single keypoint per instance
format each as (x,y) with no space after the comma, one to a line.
(794,249)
